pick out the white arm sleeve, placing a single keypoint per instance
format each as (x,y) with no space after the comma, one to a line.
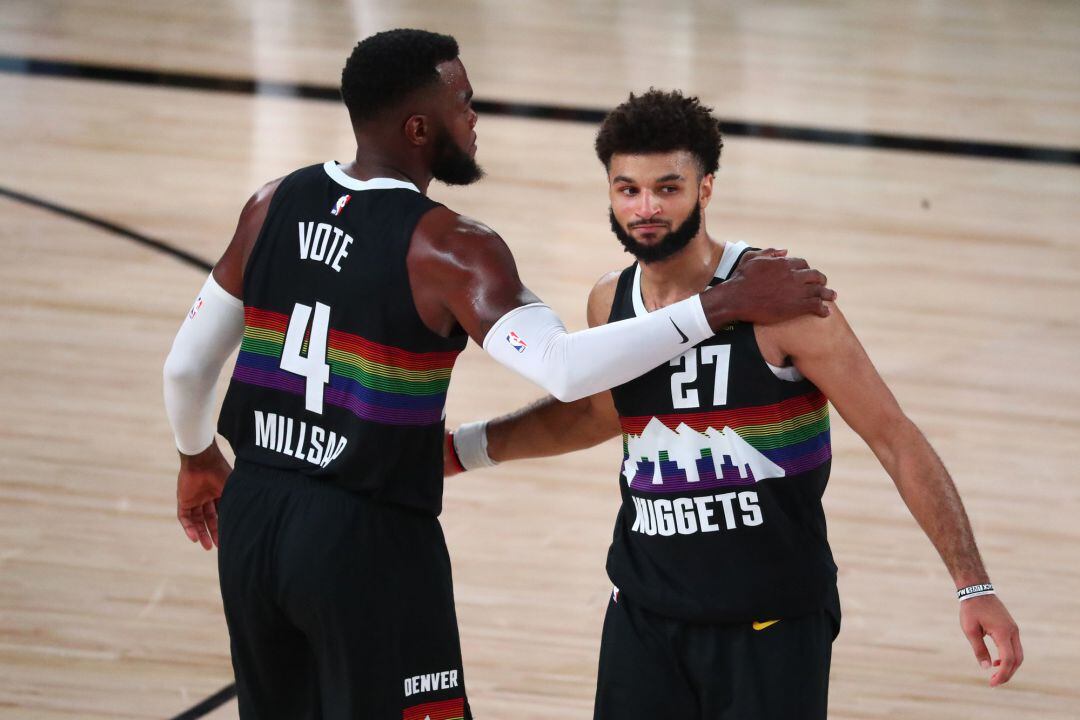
(211,331)
(532,341)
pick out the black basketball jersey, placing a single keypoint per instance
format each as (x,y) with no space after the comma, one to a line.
(725,460)
(337,377)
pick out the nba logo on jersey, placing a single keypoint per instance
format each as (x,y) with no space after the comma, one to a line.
(340,204)
(196,307)
(516,342)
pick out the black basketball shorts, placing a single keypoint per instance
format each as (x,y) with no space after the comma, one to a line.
(653,666)
(337,606)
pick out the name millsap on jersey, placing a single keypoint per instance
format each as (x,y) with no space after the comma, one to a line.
(431,682)
(313,444)
(322,242)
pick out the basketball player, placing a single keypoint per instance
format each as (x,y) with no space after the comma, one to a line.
(725,604)
(351,293)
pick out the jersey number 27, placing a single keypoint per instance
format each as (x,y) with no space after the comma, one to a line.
(683,397)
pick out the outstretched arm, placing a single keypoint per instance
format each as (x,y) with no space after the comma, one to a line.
(827,352)
(462,273)
(548,427)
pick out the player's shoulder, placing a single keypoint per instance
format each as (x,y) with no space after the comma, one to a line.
(465,243)
(806,333)
(266,192)
(260,199)
(440,224)
(601,297)
(605,287)
(255,210)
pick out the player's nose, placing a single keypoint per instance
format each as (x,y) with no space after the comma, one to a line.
(648,206)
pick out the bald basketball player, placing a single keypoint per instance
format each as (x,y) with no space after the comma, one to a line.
(351,293)
(725,605)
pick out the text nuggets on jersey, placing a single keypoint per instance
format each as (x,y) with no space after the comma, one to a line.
(687,516)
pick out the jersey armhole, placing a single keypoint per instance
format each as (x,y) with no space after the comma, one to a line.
(784,373)
(457,332)
(271,210)
(621,290)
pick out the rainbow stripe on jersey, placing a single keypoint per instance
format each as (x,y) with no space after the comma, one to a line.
(678,452)
(444,710)
(375,382)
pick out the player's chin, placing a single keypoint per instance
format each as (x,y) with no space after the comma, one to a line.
(649,238)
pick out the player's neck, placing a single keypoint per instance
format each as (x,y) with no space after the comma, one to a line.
(372,161)
(685,273)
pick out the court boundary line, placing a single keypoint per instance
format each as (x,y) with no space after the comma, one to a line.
(208,705)
(1049,155)
(108,226)
(227,693)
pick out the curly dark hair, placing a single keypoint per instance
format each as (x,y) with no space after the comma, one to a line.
(384,68)
(660,121)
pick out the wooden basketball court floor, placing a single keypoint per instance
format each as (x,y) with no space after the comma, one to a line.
(960,272)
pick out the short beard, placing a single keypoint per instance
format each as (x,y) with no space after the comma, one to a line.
(452,165)
(673,242)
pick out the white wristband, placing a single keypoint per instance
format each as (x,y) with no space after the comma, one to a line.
(471,444)
(973,591)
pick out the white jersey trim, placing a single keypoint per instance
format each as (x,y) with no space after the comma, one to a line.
(732,251)
(730,256)
(338,175)
(790,373)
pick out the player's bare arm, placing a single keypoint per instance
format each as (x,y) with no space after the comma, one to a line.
(202,474)
(827,352)
(463,274)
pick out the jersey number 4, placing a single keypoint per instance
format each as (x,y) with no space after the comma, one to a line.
(312,366)
(683,397)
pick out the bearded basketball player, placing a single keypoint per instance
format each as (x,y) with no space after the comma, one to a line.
(726,605)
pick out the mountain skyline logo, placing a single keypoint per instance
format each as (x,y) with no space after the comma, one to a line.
(666,460)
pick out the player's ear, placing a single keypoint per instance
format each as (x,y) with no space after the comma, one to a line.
(418,129)
(705,191)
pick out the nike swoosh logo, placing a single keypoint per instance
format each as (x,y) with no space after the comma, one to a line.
(762,625)
(681,333)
